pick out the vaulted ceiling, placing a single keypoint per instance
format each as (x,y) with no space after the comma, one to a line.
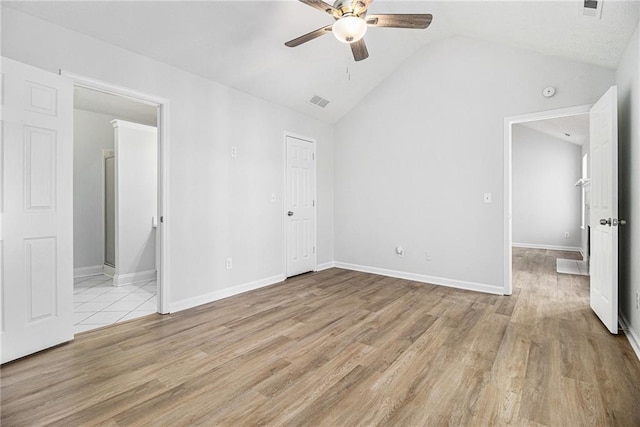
(241,43)
(574,129)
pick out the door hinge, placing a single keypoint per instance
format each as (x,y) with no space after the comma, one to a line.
(313,203)
(161,219)
(313,156)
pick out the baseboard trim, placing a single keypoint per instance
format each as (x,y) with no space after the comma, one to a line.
(423,278)
(224,293)
(549,247)
(631,335)
(129,278)
(325,266)
(108,270)
(92,270)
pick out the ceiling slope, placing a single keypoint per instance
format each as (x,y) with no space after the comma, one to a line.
(241,43)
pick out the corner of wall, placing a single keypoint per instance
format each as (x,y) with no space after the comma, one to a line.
(628,81)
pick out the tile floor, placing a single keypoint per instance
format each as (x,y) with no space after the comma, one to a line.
(98,303)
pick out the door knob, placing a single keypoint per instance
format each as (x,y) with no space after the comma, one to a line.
(605,222)
(290,213)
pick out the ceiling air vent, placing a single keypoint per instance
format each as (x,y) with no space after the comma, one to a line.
(592,8)
(319,101)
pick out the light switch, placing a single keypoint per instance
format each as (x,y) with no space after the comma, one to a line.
(487,197)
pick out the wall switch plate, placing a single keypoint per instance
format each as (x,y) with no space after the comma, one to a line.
(234,151)
(487,198)
(229,263)
(273,197)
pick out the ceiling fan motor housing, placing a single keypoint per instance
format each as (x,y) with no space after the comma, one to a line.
(349,7)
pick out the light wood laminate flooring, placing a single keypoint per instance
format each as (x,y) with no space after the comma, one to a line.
(345,348)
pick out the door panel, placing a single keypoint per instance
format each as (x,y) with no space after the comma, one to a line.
(37,216)
(300,203)
(40,262)
(604,206)
(39,169)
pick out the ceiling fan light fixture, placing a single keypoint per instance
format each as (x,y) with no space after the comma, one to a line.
(349,29)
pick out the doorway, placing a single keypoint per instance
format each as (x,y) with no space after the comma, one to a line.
(552,121)
(115,209)
(143,110)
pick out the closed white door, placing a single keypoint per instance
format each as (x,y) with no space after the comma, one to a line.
(37,210)
(603,150)
(300,206)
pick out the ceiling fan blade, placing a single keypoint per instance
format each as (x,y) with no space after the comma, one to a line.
(309,36)
(359,50)
(408,20)
(320,5)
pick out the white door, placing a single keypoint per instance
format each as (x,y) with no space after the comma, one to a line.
(604,208)
(37,212)
(300,206)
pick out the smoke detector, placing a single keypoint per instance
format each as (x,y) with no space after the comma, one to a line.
(548,92)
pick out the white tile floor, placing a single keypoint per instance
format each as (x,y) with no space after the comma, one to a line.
(98,303)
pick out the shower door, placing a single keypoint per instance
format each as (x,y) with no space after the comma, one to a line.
(110,212)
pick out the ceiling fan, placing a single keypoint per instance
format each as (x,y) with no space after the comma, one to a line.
(352,22)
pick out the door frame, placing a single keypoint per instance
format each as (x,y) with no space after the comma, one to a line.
(287,134)
(507,208)
(162,105)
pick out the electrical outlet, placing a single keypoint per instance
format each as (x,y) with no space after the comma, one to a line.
(427,257)
(234,151)
(400,251)
(566,234)
(229,263)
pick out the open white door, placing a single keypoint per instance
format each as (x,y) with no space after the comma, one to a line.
(37,210)
(301,206)
(603,151)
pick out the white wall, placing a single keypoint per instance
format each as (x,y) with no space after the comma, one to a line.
(136,198)
(628,80)
(427,143)
(545,201)
(92,133)
(219,207)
